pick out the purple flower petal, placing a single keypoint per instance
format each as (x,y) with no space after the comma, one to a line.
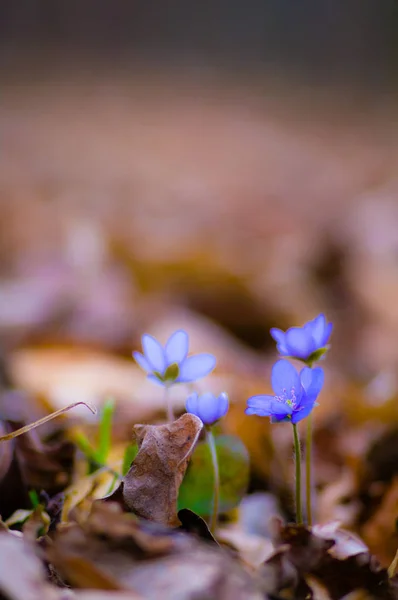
(207,407)
(327,333)
(285,379)
(303,411)
(195,367)
(154,353)
(176,349)
(267,406)
(312,381)
(191,404)
(306,378)
(318,329)
(142,361)
(278,335)
(282,349)
(223,403)
(299,342)
(154,379)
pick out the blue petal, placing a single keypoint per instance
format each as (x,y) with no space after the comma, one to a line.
(306,378)
(154,379)
(281,419)
(223,404)
(191,404)
(176,348)
(312,382)
(278,335)
(208,408)
(285,379)
(195,367)
(282,349)
(267,406)
(299,342)
(142,361)
(154,353)
(303,411)
(318,329)
(327,333)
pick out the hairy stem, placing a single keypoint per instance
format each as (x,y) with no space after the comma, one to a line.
(169,404)
(216,473)
(308,465)
(297,453)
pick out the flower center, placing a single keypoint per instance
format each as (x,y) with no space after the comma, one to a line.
(289,399)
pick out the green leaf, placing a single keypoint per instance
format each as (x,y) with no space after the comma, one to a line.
(84,445)
(105,431)
(34,498)
(129,455)
(196,491)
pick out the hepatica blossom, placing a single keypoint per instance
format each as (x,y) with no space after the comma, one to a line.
(307,343)
(208,407)
(295,394)
(171,364)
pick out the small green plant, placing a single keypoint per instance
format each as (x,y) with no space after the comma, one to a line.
(98,455)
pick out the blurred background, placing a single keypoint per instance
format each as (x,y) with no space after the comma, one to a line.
(219,166)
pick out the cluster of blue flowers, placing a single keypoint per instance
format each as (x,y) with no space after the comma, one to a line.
(295,393)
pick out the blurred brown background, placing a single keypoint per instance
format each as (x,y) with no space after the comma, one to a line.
(224,166)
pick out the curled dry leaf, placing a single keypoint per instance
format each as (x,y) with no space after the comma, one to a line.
(346,543)
(150,488)
(305,549)
(193,523)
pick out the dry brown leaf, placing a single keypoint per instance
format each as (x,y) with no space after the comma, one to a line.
(22,575)
(380,531)
(332,501)
(346,543)
(253,549)
(28,462)
(150,488)
(105,595)
(80,572)
(311,556)
(145,557)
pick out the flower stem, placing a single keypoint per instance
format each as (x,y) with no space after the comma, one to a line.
(216,474)
(169,404)
(297,452)
(308,457)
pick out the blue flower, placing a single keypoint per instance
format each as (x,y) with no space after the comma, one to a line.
(208,407)
(295,394)
(307,343)
(171,363)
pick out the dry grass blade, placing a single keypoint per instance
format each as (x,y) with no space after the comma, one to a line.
(50,417)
